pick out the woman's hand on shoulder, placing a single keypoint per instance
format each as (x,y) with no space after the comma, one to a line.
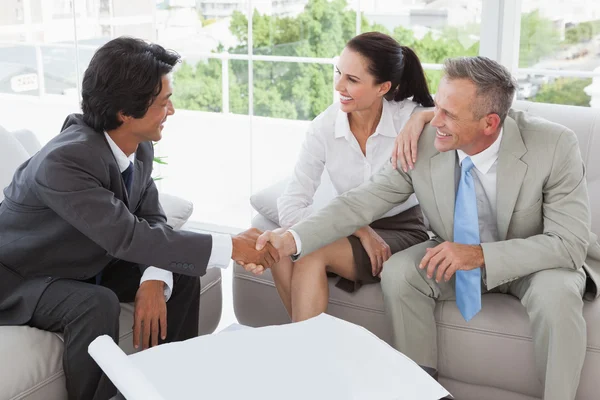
(407,141)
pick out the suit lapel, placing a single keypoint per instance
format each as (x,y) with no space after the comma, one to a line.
(134,196)
(509,174)
(444,188)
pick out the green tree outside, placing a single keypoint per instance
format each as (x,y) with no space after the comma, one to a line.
(302,91)
(565,91)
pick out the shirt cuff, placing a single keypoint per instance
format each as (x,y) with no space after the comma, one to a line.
(298,243)
(222,249)
(157,274)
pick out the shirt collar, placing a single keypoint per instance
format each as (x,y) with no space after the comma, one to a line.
(385,126)
(122,160)
(483,161)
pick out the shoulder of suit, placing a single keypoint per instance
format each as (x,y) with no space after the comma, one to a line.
(538,131)
(145,151)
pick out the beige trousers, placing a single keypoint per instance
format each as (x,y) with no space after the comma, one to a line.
(553,299)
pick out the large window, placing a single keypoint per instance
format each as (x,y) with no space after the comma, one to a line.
(559,51)
(255,72)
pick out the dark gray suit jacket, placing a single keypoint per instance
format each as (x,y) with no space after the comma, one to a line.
(67,214)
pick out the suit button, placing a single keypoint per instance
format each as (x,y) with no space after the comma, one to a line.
(185,266)
(173,265)
(192,266)
(179,265)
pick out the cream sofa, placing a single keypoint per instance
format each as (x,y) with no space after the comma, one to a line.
(489,358)
(31,359)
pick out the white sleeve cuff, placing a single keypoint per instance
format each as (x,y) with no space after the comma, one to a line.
(222,249)
(157,274)
(298,243)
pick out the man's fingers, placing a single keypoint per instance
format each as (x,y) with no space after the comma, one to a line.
(430,252)
(274,253)
(258,270)
(137,324)
(449,272)
(163,324)
(269,260)
(442,269)
(426,258)
(249,267)
(146,334)
(154,330)
(262,240)
(433,263)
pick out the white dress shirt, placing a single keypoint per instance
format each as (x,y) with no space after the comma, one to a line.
(221,244)
(331,144)
(486,164)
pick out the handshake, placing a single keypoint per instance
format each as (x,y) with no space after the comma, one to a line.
(256,250)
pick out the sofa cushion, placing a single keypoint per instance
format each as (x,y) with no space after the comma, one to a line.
(500,335)
(28,140)
(31,362)
(265,201)
(177,210)
(12,155)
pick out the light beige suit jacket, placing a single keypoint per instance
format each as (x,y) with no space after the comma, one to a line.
(543,211)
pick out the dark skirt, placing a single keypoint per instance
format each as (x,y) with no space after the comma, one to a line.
(399,231)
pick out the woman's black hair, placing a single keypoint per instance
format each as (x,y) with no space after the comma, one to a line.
(389,61)
(124,75)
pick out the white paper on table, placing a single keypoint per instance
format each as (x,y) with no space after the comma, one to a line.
(322,358)
(120,369)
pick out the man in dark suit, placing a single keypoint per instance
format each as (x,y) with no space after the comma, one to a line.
(81,227)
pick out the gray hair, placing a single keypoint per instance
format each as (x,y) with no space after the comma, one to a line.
(495,85)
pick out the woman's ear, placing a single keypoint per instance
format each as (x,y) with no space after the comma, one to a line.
(384,88)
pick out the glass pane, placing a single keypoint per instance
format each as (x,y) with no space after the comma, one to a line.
(435,30)
(305,28)
(560,34)
(207,150)
(292,90)
(544,89)
(37,66)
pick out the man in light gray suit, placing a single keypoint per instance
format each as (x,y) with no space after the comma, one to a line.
(506,197)
(82,229)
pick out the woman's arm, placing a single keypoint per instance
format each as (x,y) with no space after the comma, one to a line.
(405,146)
(294,204)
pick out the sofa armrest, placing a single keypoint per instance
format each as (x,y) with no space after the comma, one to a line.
(177,210)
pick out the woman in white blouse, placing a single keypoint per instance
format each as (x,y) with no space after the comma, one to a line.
(353,139)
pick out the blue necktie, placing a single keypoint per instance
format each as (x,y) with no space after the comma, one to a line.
(466,231)
(128,180)
(128,177)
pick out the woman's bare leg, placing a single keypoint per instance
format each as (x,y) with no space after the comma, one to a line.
(310,292)
(282,276)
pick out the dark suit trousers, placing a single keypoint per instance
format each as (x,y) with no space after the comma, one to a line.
(82,311)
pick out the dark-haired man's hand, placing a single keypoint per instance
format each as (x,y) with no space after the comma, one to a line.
(244,250)
(150,314)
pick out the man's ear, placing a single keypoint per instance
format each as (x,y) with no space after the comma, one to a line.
(123,118)
(492,123)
